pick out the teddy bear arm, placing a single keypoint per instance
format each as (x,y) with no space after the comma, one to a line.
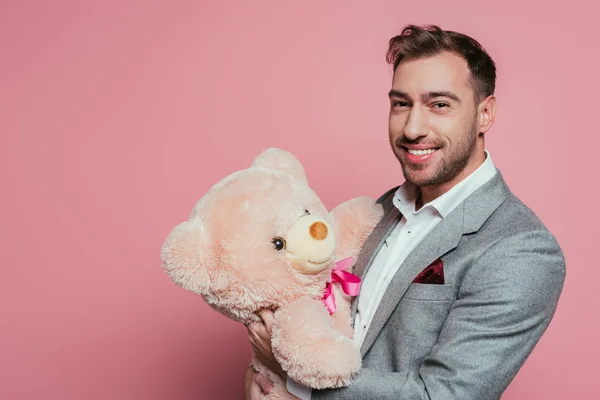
(310,349)
(342,320)
(354,221)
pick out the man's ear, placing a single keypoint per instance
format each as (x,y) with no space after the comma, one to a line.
(186,256)
(487,113)
(281,160)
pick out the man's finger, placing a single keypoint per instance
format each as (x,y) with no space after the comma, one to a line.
(267,317)
(255,391)
(264,383)
(254,327)
(256,330)
(252,389)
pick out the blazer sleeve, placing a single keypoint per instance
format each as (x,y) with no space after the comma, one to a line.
(505,303)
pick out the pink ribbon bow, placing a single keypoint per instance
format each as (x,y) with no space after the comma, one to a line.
(350,283)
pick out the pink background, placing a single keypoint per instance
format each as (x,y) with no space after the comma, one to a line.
(117,116)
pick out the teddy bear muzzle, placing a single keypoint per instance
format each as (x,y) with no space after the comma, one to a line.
(310,244)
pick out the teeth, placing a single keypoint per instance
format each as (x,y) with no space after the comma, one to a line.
(421,152)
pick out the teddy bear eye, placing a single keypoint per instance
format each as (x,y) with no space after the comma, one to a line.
(278,243)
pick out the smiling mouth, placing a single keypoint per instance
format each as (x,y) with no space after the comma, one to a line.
(421,152)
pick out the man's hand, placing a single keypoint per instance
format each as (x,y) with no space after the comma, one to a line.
(259,335)
(256,384)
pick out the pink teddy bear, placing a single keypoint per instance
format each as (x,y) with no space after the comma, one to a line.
(261,238)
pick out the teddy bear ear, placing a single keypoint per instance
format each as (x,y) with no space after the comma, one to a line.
(281,160)
(185,256)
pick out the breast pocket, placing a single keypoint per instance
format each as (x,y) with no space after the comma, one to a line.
(421,291)
(422,312)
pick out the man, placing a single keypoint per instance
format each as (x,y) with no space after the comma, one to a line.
(460,279)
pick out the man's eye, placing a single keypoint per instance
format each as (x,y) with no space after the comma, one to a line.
(441,105)
(399,104)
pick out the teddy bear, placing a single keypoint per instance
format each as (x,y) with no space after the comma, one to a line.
(262,239)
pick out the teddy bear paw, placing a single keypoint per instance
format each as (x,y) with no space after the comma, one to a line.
(310,349)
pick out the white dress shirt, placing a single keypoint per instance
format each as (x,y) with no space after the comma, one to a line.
(407,234)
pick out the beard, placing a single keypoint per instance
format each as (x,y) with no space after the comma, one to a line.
(447,168)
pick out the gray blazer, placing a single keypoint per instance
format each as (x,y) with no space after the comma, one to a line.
(465,339)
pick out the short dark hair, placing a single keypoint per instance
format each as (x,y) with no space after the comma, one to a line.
(429,40)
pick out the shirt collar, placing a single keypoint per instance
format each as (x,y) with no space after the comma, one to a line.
(406,195)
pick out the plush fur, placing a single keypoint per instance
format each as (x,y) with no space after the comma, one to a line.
(226,252)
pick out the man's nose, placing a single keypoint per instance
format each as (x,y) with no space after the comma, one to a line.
(416,124)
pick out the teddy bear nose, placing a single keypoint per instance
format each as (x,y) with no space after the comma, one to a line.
(318,231)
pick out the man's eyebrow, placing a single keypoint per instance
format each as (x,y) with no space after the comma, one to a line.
(433,95)
(425,97)
(398,93)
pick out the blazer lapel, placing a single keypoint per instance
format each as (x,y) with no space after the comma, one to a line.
(467,217)
(391,217)
(441,240)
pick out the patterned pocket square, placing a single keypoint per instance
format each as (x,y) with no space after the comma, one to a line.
(433,274)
